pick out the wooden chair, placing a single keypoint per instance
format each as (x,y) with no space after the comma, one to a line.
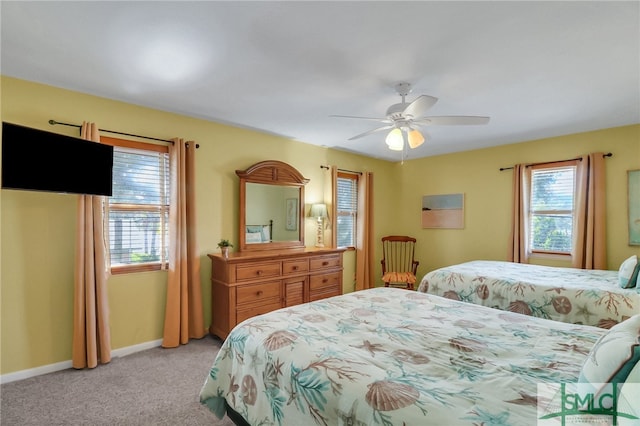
(399,267)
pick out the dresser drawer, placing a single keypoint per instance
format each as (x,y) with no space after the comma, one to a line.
(261,292)
(325,281)
(295,266)
(325,285)
(243,314)
(252,271)
(330,292)
(325,262)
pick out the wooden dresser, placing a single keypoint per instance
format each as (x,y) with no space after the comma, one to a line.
(247,284)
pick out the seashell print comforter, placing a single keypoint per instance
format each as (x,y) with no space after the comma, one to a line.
(387,356)
(578,296)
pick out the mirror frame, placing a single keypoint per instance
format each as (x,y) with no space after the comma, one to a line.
(271,172)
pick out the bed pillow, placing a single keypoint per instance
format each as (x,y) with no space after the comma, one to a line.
(612,358)
(634,375)
(628,398)
(634,281)
(253,237)
(266,234)
(627,268)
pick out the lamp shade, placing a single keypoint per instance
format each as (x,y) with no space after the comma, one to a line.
(415,138)
(394,140)
(318,210)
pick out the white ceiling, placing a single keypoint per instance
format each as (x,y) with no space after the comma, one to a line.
(538,69)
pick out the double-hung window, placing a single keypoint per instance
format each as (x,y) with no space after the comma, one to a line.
(552,207)
(347,209)
(139,207)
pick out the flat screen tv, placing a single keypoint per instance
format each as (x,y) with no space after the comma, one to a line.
(38,160)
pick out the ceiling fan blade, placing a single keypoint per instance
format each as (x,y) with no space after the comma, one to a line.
(379,129)
(451,120)
(382,119)
(418,107)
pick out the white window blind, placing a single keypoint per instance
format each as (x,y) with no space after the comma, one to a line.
(552,207)
(139,207)
(347,206)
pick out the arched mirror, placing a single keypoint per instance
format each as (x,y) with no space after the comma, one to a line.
(271,206)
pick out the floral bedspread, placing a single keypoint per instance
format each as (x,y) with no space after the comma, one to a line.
(388,356)
(578,296)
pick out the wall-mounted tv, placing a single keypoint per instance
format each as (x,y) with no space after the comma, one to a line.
(38,160)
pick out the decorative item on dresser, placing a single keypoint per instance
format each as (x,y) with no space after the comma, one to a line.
(277,271)
(247,284)
(319,212)
(224,247)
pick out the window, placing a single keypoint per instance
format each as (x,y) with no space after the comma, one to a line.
(347,207)
(139,207)
(552,208)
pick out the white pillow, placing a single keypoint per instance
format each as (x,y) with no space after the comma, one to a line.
(253,237)
(626,272)
(628,398)
(613,357)
(266,235)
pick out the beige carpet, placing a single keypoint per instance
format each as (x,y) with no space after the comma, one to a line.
(153,387)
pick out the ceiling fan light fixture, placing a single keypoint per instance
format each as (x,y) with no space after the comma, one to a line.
(415,138)
(405,116)
(394,140)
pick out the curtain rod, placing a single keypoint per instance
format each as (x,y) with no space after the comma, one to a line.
(608,154)
(53,123)
(341,170)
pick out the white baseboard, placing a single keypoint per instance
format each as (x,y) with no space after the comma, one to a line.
(32,372)
(51,368)
(135,348)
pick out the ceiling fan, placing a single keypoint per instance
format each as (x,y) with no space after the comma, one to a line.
(407,117)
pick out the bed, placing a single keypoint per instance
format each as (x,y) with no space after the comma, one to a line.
(579,296)
(390,356)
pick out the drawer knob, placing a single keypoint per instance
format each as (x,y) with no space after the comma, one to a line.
(325,280)
(259,293)
(295,268)
(325,263)
(259,272)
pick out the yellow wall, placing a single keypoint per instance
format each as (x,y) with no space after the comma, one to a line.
(37,230)
(487,195)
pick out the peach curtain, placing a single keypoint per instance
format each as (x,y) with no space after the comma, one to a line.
(334,205)
(518,237)
(364,227)
(183,312)
(590,245)
(364,233)
(91,334)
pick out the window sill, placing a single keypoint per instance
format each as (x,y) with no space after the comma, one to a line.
(556,260)
(141,267)
(551,256)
